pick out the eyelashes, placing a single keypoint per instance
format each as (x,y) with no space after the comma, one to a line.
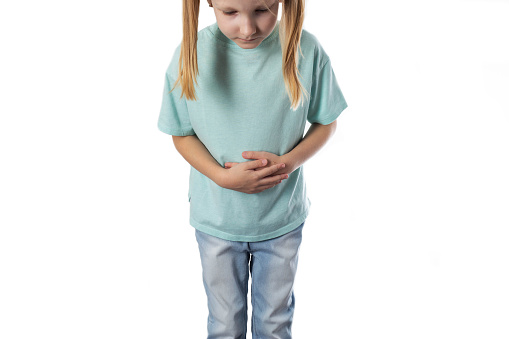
(260,11)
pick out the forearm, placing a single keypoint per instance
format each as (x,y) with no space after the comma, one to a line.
(198,156)
(316,137)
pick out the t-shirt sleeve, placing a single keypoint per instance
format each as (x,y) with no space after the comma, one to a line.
(174,116)
(326,101)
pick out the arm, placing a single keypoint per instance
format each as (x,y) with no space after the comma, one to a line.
(242,178)
(315,138)
(198,156)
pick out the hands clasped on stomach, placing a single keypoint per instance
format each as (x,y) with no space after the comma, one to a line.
(267,171)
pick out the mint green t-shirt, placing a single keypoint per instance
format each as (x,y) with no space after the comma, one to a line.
(242,106)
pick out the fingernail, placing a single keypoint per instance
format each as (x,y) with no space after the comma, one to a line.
(283,166)
(264,162)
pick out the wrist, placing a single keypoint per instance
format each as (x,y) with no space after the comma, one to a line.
(289,161)
(219,177)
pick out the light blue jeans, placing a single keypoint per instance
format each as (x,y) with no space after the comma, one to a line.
(226,266)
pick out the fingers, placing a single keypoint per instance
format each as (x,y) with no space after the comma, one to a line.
(230,164)
(271,181)
(255,164)
(269,170)
(267,186)
(254,154)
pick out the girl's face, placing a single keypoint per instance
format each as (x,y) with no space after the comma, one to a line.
(246,22)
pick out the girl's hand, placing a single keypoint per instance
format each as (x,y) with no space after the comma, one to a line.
(249,177)
(272,159)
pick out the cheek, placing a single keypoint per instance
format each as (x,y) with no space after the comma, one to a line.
(224,23)
(226,26)
(268,23)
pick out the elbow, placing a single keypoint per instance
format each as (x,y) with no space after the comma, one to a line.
(333,126)
(177,139)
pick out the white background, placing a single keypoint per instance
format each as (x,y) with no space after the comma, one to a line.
(408,231)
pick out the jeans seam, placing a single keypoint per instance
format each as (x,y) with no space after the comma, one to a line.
(253,330)
(253,301)
(245,300)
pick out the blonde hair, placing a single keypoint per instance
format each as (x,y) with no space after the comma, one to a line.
(290,30)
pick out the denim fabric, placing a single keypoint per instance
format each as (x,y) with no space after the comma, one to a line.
(226,266)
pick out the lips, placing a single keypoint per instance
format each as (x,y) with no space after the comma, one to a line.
(247,40)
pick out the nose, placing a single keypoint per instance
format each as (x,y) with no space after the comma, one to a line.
(247,27)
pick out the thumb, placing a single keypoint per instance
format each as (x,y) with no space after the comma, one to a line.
(230,164)
(255,164)
(254,155)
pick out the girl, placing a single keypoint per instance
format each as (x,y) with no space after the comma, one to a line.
(237,95)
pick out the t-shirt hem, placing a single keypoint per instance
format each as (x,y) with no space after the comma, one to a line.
(176,132)
(333,117)
(247,238)
(330,119)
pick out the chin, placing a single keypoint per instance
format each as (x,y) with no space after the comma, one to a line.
(247,45)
